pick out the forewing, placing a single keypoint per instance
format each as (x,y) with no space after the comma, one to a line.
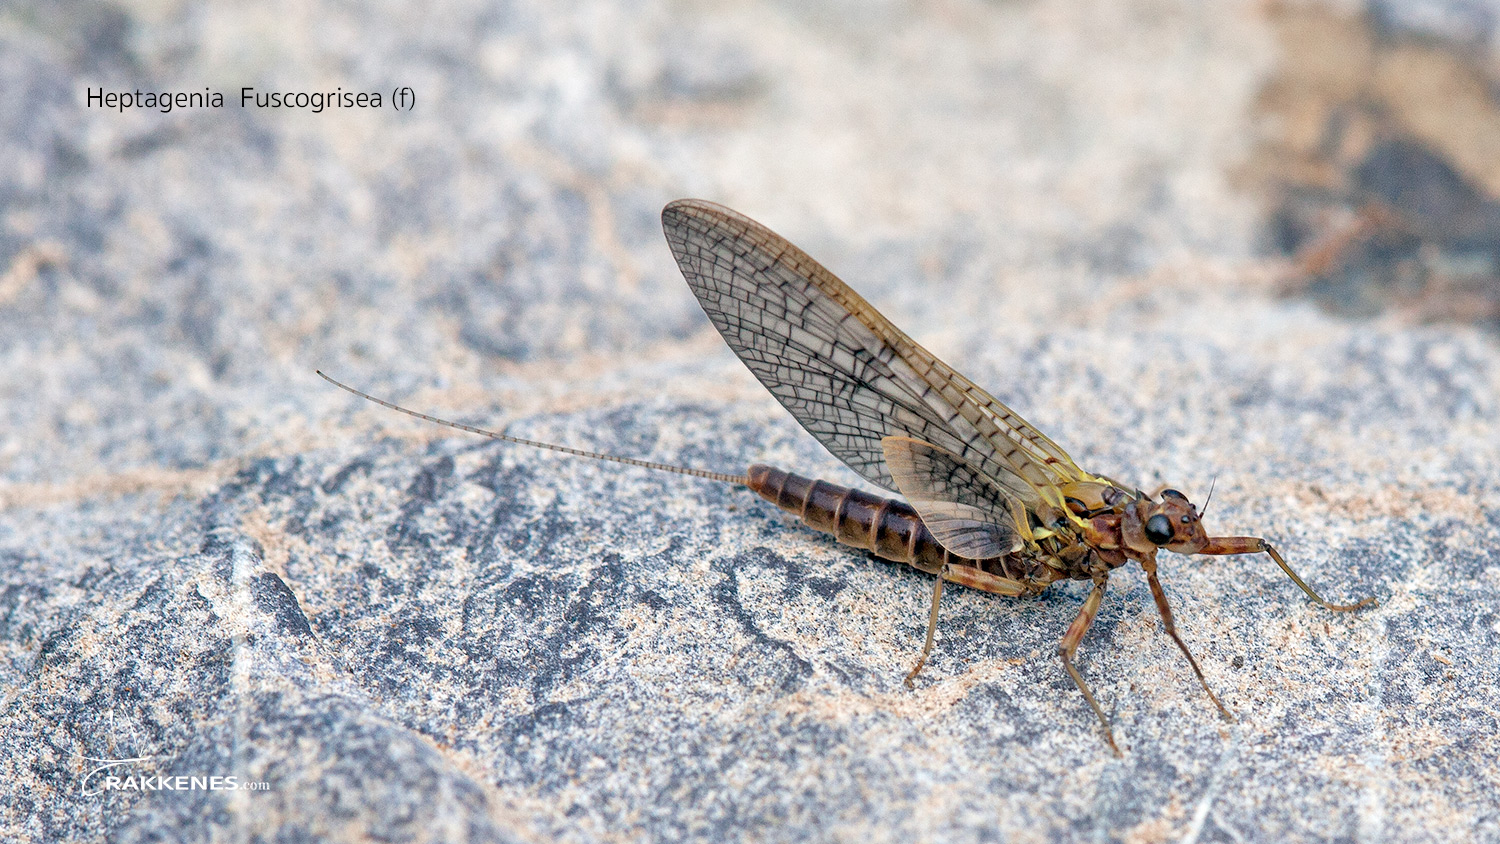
(961,506)
(843,370)
(826,367)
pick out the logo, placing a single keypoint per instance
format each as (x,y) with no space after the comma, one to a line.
(128,775)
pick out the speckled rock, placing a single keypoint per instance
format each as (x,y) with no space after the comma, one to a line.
(215,567)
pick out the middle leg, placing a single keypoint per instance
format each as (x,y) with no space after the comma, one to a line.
(1069,646)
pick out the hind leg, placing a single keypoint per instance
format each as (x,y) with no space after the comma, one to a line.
(972,578)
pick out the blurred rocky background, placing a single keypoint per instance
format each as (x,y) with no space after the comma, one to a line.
(1246,243)
(1380,157)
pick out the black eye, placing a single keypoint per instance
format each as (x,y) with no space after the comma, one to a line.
(1159,529)
(1172,493)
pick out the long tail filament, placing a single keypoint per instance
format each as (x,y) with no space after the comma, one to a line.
(741,480)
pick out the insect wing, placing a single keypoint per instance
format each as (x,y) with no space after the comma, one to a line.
(840,367)
(956,502)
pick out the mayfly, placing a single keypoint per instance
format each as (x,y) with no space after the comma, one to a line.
(990,502)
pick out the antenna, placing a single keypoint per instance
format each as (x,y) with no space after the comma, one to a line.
(740,480)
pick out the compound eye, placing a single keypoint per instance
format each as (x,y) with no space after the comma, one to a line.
(1159,529)
(1172,493)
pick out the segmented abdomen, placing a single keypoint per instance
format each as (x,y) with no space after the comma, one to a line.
(886,527)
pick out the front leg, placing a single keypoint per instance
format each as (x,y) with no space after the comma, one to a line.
(1160,596)
(1222,545)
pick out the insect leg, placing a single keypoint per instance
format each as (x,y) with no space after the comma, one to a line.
(985,582)
(932,619)
(1253,544)
(974,579)
(1069,646)
(1166,619)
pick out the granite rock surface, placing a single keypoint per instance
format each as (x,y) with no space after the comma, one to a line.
(215,565)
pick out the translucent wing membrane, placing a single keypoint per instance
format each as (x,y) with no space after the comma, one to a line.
(843,370)
(955,501)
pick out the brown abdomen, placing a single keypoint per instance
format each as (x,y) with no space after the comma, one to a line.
(888,528)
